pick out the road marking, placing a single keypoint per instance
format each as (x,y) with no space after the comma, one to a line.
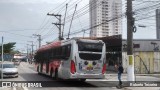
(14,88)
(25,88)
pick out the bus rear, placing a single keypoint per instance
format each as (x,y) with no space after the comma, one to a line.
(88,59)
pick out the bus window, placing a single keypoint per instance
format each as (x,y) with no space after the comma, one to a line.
(89,56)
(68,50)
(46,55)
(55,52)
(93,47)
(89,48)
(60,51)
(52,53)
(63,52)
(42,55)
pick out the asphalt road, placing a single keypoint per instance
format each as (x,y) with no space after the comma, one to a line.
(27,73)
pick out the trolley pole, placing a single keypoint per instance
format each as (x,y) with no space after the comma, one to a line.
(71,21)
(130,60)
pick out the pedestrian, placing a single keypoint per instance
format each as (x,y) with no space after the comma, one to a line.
(120,71)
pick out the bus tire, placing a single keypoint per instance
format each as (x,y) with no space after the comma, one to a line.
(38,70)
(16,76)
(51,73)
(82,80)
(56,74)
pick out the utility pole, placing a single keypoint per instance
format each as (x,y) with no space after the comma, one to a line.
(130,24)
(32,48)
(39,39)
(27,52)
(59,24)
(2,60)
(83,32)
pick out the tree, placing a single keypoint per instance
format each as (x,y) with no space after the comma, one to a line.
(8,48)
(15,52)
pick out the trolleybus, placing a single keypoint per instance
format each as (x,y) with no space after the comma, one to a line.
(72,59)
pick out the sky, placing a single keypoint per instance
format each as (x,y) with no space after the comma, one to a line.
(20,19)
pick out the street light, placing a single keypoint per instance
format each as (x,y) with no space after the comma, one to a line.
(143,26)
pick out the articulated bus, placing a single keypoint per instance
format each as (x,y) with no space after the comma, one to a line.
(79,59)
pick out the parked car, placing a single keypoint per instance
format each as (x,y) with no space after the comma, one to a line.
(9,70)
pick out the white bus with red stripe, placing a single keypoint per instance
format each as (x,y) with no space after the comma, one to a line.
(72,59)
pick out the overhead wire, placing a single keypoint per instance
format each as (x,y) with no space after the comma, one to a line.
(44,24)
(59,6)
(81,11)
(16,34)
(79,15)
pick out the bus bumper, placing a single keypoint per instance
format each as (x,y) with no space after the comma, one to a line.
(88,76)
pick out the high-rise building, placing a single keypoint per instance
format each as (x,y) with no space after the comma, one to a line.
(103,14)
(158,23)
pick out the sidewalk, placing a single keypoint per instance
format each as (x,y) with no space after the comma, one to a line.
(144,78)
(7,88)
(138,77)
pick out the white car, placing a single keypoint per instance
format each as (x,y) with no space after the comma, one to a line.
(9,70)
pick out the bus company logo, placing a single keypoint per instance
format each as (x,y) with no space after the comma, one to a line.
(80,66)
(6,84)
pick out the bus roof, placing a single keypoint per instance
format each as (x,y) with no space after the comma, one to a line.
(58,43)
(48,46)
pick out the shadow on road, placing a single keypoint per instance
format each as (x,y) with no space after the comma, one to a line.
(47,81)
(34,77)
(50,82)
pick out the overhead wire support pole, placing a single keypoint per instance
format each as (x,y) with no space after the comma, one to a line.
(130,60)
(58,24)
(32,49)
(27,52)
(64,19)
(39,39)
(71,21)
(2,60)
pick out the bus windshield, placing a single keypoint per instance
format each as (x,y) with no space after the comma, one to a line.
(92,47)
(90,51)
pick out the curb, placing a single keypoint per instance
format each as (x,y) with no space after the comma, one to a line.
(135,74)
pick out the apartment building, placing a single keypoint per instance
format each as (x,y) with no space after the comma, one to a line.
(105,17)
(158,23)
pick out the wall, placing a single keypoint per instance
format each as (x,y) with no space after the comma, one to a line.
(145,62)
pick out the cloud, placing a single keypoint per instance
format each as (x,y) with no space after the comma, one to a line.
(15,16)
(28,1)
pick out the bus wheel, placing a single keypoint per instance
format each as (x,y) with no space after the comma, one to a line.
(51,73)
(38,70)
(56,74)
(82,80)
